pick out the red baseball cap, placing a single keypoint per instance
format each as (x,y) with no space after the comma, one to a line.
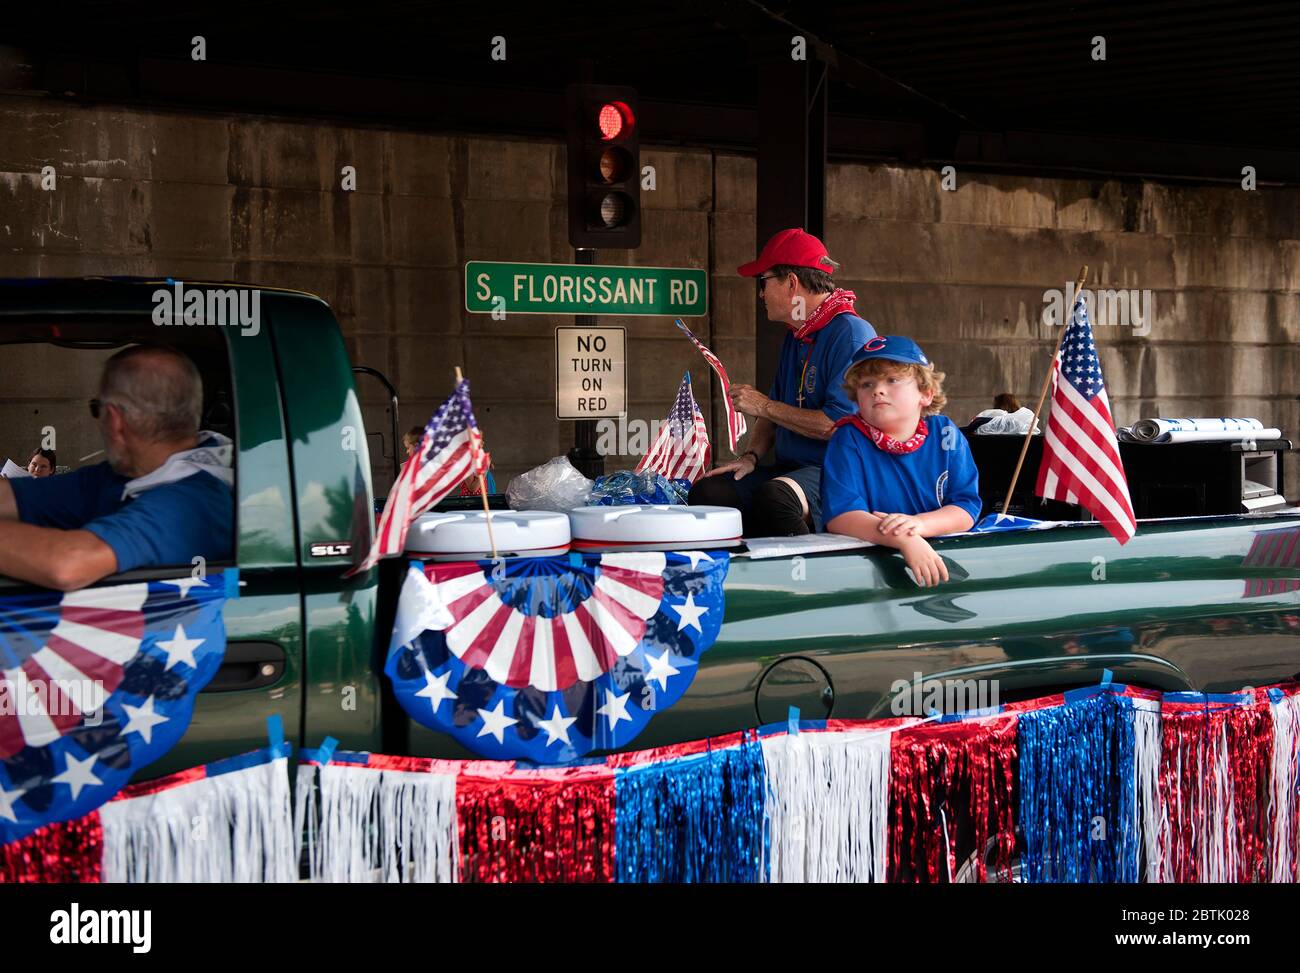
(794,248)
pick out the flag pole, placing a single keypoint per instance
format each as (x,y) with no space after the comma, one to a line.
(482,488)
(1042,395)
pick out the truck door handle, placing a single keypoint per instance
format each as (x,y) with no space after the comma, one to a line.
(248,665)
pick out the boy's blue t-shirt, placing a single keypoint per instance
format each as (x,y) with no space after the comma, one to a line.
(168,525)
(828,358)
(859,475)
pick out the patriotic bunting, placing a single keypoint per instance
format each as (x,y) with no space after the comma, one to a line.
(547,659)
(97,684)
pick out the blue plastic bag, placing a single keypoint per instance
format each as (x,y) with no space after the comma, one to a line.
(627,487)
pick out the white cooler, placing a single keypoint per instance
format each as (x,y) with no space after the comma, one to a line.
(462,535)
(654,527)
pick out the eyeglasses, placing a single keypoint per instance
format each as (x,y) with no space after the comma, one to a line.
(765,277)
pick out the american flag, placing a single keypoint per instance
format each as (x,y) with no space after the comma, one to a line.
(1081,461)
(735,420)
(681,450)
(450,450)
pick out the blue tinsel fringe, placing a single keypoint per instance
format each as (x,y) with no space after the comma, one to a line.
(1076,766)
(695,819)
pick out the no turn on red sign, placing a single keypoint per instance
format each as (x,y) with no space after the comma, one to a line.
(590,373)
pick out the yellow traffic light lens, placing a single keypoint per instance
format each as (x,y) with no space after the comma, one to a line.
(613,165)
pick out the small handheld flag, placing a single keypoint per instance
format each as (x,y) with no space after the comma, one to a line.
(450,449)
(1081,462)
(681,450)
(735,420)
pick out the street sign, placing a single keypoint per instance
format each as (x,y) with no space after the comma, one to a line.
(590,373)
(584,289)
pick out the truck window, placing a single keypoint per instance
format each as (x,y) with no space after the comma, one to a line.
(49,372)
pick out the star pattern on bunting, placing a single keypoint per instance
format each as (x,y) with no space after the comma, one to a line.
(78,774)
(142,719)
(689,613)
(180,648)
(495,721)
(615,708)
(435,689)
(557,727)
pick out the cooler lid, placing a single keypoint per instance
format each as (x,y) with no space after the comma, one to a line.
(655,524)
(462,531)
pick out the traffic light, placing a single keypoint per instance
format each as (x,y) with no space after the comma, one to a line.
(604,167)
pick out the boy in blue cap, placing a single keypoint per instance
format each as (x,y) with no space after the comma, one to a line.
(897,472)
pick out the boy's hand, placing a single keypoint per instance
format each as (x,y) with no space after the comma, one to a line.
(927,567)
(897,524)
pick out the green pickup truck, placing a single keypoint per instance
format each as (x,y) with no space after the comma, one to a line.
(1200,603)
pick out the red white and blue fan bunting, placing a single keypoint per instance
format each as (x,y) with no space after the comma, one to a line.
(97,684)
(547,659)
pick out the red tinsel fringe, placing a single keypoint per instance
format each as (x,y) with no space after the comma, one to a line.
(942,774)
(70,851)
(1190,741)
(536,825)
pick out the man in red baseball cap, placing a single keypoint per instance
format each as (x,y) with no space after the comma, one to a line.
(799,413)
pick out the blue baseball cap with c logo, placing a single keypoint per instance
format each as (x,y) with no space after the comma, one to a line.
(893,347)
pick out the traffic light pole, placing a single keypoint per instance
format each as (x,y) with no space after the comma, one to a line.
(584,455)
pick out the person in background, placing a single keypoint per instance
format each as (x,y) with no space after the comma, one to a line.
(1006,402)
(412,439)
(41,463)
(470,487)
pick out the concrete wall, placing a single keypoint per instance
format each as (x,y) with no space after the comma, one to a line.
(963,272)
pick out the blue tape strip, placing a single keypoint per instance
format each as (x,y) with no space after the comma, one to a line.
(231,577)
(275,730)
(782,729)
(1276,696)
(253,758)
(1106,677)
(575,559)
(1191,697)
(326,750)
(792,721)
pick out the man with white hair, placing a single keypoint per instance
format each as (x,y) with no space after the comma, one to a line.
(163,497)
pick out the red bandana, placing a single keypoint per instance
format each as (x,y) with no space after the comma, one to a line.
(837,302)
(885,441)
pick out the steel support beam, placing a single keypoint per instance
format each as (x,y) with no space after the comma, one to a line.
(791,184)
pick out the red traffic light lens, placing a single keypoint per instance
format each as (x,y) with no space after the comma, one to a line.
(613,119)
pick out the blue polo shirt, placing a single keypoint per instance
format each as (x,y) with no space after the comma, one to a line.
(168,525)
(827,359)
(859,475)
